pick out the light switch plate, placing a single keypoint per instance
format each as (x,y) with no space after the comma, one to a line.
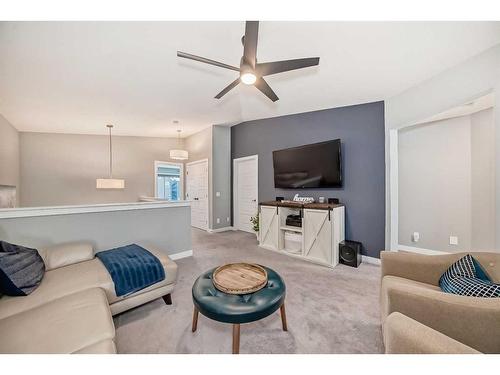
(218,220)
(217,193)
(453,240)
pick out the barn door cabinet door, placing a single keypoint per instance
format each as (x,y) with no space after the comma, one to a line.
(269,227)
(318,236)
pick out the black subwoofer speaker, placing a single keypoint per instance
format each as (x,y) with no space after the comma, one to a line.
(350,253)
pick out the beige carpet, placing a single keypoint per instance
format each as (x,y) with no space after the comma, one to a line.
(328,310)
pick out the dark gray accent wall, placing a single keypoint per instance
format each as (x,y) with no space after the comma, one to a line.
(361,129)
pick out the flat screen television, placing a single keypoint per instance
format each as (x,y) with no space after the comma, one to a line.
(316,165)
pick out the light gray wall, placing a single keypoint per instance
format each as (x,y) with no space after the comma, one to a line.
(483,180)
(9,155)
(221,176)
(169,229)
(361,130)
(61,169)
(435,184)
(447,183)
(199,146)
(456,86)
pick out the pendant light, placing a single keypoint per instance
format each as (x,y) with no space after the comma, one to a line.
(179,154)
(110,182)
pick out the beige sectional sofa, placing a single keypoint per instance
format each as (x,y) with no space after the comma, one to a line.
(417,317)
(71,311)
(404,335)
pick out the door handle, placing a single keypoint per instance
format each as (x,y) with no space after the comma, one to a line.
(254,200)
(196,199)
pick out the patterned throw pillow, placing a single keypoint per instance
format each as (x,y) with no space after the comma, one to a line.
(466,277)
(21,269)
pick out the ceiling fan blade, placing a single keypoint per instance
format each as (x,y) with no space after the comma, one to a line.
(250,42)
(228,88)
(206,61)
(274,67)
(265,89)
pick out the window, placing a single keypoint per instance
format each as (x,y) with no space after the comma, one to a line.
(168,178)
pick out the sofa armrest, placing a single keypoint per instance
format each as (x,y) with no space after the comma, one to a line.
(419,267)
(65,254)
(403,335)
(474,321)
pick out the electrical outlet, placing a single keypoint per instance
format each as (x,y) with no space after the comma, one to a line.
(217,193)
(218,220)
(453,240)
(415,237)
(228,218)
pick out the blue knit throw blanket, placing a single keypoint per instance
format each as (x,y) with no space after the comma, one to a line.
(132,268)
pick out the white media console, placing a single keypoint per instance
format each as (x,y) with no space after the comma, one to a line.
(323,228)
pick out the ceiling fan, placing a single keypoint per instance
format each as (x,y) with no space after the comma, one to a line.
(252,72)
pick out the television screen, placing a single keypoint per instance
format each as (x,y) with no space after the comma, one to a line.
(316,165)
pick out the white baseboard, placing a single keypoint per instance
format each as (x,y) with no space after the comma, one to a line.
(218,230)
(370,260)
(421,250)
(182,254)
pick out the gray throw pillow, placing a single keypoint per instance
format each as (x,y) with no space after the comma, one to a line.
(21,269)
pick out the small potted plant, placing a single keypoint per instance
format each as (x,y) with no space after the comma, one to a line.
(255,224)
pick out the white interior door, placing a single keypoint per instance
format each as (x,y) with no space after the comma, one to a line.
(197,192)
(245,191)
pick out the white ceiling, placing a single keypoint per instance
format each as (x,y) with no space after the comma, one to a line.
(75,77)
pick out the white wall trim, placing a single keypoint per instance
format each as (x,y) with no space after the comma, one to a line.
(218,230)
(10,213)
(394,186)
(182,254)
(158,163)
(421,250)
(370,260)
(235,184)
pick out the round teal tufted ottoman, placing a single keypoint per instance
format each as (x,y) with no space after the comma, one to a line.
(238,309)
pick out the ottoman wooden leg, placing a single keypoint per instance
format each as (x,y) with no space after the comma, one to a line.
(236,339)
(195,319)
(283,317)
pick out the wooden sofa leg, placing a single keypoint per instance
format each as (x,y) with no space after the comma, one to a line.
(167,299)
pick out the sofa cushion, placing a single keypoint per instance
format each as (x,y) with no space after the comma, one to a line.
(77,277)
(65,254)
(466,277)
(65,325)
(58,283)
(21,269)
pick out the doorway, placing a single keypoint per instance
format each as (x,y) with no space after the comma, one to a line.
(197,192)
(245,182)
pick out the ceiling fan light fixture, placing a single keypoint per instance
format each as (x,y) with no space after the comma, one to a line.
(251,72)
(248,78)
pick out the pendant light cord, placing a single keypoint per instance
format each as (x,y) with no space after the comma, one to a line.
(110,153)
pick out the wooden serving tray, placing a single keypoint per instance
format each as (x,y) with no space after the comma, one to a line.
(239,278)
